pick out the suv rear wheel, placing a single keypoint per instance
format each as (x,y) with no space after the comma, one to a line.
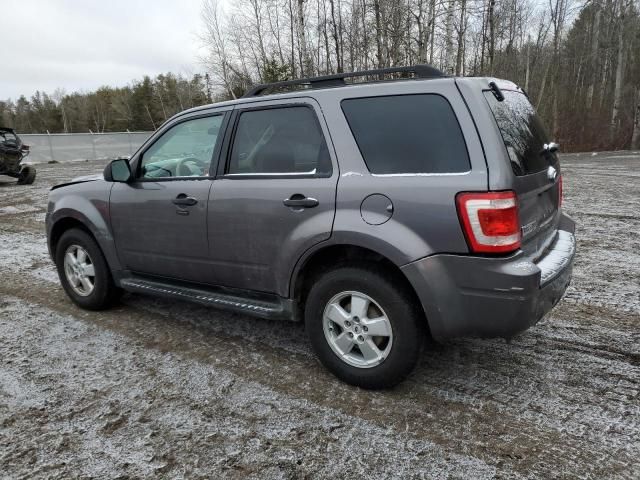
(363,327)
(83,271)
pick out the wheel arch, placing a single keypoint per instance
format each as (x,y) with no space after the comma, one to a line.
(328,256)
(64,219)
(62,225)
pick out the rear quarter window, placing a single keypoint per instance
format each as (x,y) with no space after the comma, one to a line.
(407,134)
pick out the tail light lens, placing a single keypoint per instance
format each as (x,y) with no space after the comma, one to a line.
(560,192)
(490,221)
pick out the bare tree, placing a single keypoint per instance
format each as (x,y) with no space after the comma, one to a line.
(617,92)
(635,136)
(595,38)
(576,60)
(306,62)
(215,41)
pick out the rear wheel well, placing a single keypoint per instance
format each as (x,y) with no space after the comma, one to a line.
(62,226)
(335,256)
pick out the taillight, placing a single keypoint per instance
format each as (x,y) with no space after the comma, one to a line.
(490,221)
(560,193)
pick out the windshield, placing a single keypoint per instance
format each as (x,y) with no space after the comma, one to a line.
(522,132)
(8,138)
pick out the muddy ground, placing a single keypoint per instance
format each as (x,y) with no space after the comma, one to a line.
(157,388)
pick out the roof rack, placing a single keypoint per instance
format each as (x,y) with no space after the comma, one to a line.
(337,80)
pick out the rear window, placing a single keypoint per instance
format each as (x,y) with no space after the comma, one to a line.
(279,140)
(522,132)
(407,134)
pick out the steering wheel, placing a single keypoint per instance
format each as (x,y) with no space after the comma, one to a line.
(184,167)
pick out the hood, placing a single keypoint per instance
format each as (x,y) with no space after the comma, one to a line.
(87,178)
(83,179)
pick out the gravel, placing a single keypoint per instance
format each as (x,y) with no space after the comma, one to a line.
(158,388)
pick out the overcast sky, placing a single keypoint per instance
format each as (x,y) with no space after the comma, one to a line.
(82,45)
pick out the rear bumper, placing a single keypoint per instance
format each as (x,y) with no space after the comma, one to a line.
(492,297)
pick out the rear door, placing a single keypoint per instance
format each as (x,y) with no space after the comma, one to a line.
(274,196)
(536,170)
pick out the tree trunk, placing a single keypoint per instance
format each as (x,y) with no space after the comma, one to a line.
(492,34)
(306,63)
(365,37)
(595,35)
(527,71)
(336,40)
(617,93)
(376,7)
(461,33)
(292,38)
(635,137)
(448,49)
(432,36)
(325,34)
(422,44)
(542,85)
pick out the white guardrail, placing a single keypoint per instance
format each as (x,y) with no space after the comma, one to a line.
(65,147)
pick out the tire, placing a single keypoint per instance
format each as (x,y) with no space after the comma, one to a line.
(27,175)
(398,346)
(103,292)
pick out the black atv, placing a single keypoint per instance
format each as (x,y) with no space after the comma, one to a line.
(12,152)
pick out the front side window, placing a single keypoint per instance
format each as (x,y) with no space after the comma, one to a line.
(185,150)
(284,140)
(407,134)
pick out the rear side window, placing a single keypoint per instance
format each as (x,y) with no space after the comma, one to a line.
(522,132)
(407,134)
(284,140)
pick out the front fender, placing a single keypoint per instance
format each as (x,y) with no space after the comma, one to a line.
(88,205)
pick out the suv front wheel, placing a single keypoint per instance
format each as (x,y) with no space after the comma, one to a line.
(83,271)
(363,326)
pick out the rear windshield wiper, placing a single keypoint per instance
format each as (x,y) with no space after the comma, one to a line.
(495,89)
(550,147)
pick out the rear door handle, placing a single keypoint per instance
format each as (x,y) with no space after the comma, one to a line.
(300,201)
(183,200)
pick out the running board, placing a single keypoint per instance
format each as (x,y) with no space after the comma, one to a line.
(269,306)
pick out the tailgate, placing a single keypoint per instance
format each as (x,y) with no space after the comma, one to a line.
(539,209)
(536,169)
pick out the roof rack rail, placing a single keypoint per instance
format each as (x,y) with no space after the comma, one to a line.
(337,80)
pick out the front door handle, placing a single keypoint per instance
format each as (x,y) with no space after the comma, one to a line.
(300,201)
(183,200)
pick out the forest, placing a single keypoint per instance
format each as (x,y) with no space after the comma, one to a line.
(579,62)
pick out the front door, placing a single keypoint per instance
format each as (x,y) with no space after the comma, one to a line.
(274,196)
(159,219)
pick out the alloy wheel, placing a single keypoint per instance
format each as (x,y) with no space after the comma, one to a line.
(79,270)
(357,329)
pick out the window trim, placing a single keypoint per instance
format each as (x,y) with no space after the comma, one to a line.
(230,139)
(215,156)
(410,174)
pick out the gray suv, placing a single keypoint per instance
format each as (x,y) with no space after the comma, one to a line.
(374,211)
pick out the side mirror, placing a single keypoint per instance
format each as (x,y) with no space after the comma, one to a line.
(118,170)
